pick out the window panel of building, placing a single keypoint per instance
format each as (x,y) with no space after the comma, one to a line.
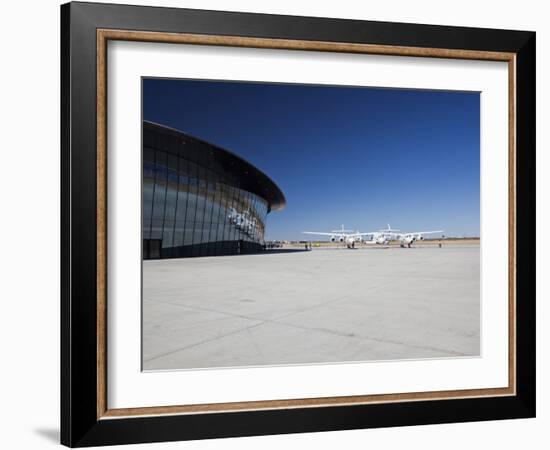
(189,218)
(199,211)
(208,207)
(221,217)
(170,202)
(191,203)
(181,206)
(159,195)
(215,212)
(229,230)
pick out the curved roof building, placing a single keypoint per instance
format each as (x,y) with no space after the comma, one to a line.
(200,199)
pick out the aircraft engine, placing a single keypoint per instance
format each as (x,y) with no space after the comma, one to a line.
(332,238)
(341,239)
(381,240)
(420,238)
(408,240)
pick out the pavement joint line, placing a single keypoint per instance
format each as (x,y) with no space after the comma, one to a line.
(369,338)
(205,341)
(278,320)
(320,330)
(299,311)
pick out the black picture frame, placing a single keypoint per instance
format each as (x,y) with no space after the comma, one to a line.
(80,425)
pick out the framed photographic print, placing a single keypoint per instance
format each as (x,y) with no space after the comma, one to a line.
(276,224)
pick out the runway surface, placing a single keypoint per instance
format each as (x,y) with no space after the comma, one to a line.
(320,306)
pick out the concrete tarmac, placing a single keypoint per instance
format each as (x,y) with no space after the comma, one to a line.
(321,306)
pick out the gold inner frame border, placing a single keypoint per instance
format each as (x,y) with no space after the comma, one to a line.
(104,35)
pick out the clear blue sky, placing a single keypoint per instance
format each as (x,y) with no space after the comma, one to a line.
(359,156)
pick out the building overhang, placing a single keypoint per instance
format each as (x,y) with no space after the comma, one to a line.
(251,178)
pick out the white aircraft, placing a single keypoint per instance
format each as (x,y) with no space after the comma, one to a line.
(381,237)
(387,235)
(342,235)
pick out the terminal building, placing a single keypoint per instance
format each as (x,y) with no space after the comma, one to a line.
(200,199)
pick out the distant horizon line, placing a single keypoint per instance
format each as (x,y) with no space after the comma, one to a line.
(425,239)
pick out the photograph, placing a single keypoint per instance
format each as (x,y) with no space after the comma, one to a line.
(299,224)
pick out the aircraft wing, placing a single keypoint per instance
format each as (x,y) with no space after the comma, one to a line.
(320,233)
(426,232)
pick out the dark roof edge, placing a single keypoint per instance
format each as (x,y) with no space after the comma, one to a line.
(276,198)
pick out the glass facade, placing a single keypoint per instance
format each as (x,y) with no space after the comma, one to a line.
(199,199)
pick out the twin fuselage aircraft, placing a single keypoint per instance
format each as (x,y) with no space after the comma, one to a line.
(380,237)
